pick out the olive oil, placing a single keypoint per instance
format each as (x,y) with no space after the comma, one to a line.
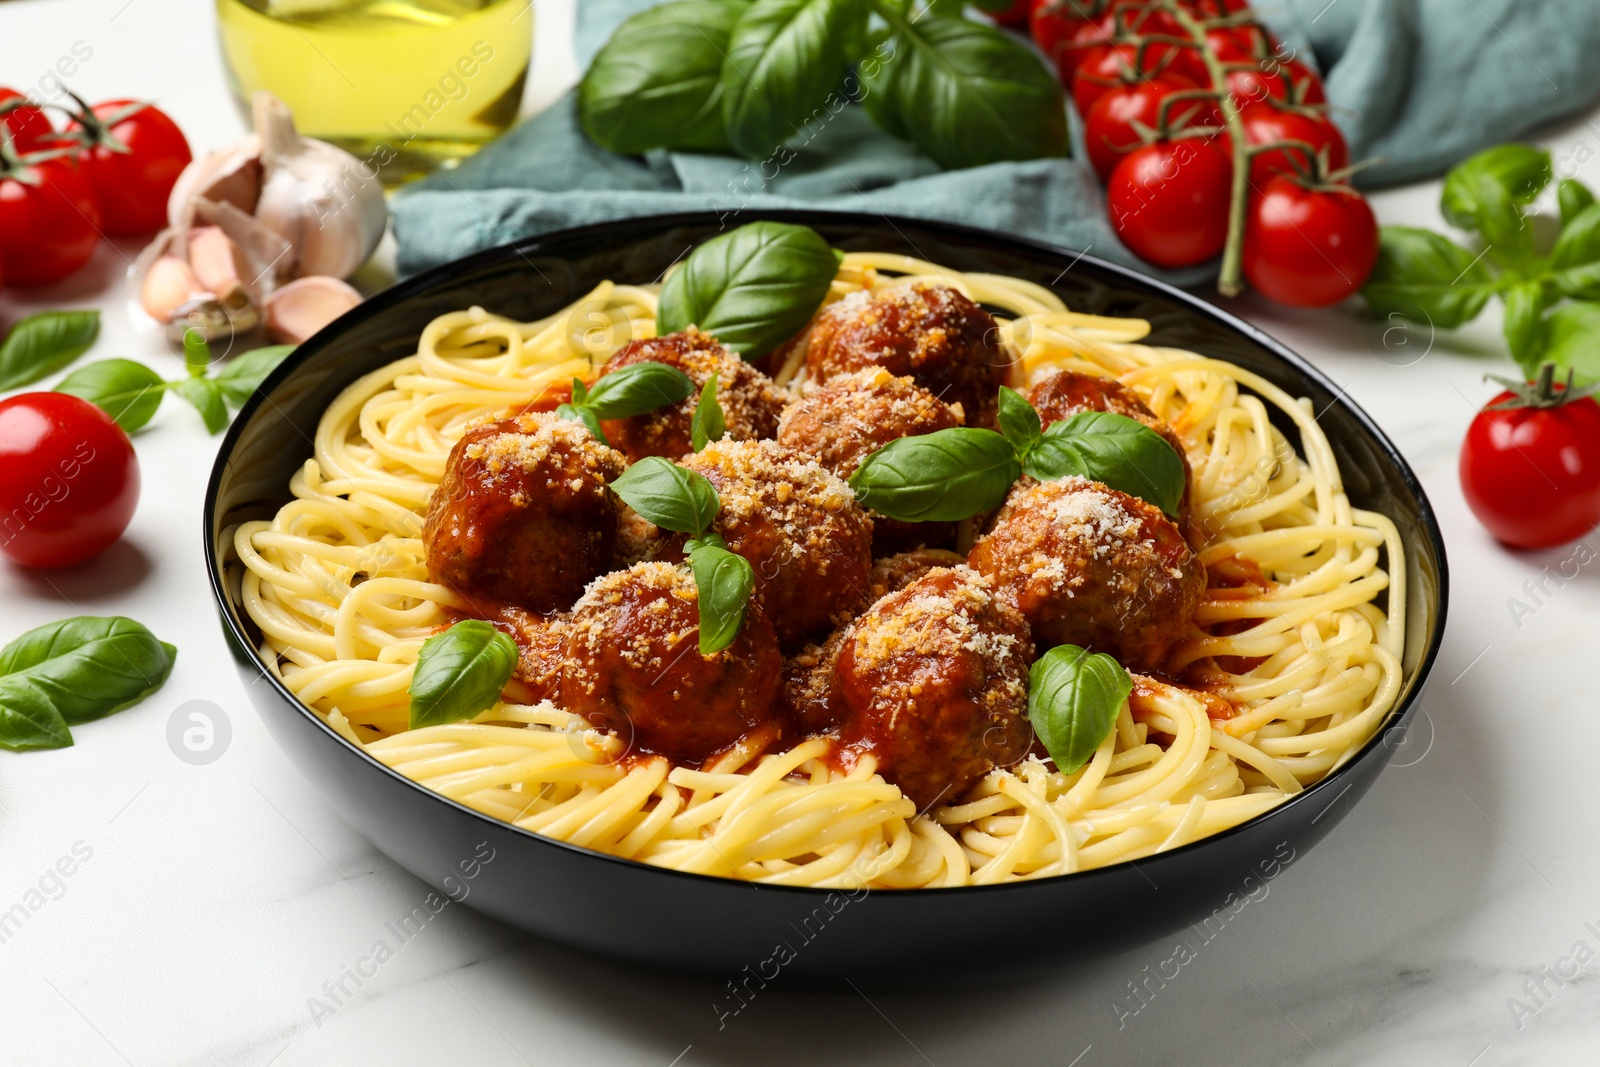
(407,85)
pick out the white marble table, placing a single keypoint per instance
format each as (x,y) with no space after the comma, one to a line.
(211,906)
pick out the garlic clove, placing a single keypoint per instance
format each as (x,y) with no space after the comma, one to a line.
(230,175)
(217,262)
(321,199)
(216,318)
(265,255)
(168,283)
(305,305)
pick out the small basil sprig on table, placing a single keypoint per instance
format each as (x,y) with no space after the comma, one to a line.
(1074,696)
(43,343)
(1430,279)
(131,392)
(708,424)
(955,474)
(624,393)
(460,673)
(73,671)
(753,288)
(683,501)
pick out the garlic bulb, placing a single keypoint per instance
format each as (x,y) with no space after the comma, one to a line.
(230,175)
(321,199)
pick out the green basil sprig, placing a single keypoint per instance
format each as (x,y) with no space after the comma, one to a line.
(1074,696)
(1431,279)
(131,393)
(757,76)
(624,393)
(43,343)
(683,501)
(73,671)
(708,424)
(460,673)
(657,83)
(955,474)
(753,288)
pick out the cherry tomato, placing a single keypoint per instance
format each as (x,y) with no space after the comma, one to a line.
(1068,30)
(1169,201)
(1239,44)
(1306,87)
(1309,247)
(1111,66)
(1213,9)
(49,221)
(1110,133)
(1531,474)
(69,480)
(28,125)
(1265,122)
(133,186)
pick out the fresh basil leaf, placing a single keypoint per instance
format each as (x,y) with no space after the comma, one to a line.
(1572,196)
(657,83)
(879,94)
(1426,277)
(724,582)
(1074,697)
(127,391)
(43,343)
(1524,322)
(753,288)
(784,58)
(1113,450)
(74,671)
(1572,340)
(708,424)
(196,354)
(460,673)
(584,414)
(673,497)
(1018,421)
(944,476)
(243,374)
(970,94)
(206,396)
(1575,259)
(1485,194)
(636,389)
(580,392)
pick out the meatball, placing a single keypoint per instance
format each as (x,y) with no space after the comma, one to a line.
(808,687)
(800,527)
(854,415)
(893,573)
(933,682)
(541,652)
(523,514)
(944,341)
(634,666)
(751,403)
(1068,393)
(1092,566)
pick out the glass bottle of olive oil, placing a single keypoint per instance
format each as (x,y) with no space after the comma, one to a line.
(407,85)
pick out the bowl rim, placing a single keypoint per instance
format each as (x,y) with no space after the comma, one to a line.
(416,285)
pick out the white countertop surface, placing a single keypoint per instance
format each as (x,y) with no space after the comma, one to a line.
(216,900)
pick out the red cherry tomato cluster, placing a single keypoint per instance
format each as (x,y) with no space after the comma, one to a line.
(1165,88)
(108,173)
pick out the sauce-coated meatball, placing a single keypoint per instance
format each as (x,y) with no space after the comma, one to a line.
(634,666)
(932,333)
(751,403)
(893,573)
(523,514)
(800,527)
(1092,566)
(809,686)
(843,422)
(933,682)
(1068,393)
(541,652)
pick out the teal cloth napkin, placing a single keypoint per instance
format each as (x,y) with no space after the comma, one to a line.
(1419,83)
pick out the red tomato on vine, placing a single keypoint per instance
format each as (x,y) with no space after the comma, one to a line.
(1111,129)
(1270,121)
(133,154)
(1169,201)
(1309,245)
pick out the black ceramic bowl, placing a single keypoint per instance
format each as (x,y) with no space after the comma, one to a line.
(629,910)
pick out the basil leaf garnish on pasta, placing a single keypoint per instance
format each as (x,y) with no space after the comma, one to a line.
(74,671)
(623,393)
(945,476)
(1074,696)
(724,581)
(1114,450)
(753,288)
(460,673)
(708,424)
(673,497)
(1019,423)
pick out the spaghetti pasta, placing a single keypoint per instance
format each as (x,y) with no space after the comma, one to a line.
(1290,639)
